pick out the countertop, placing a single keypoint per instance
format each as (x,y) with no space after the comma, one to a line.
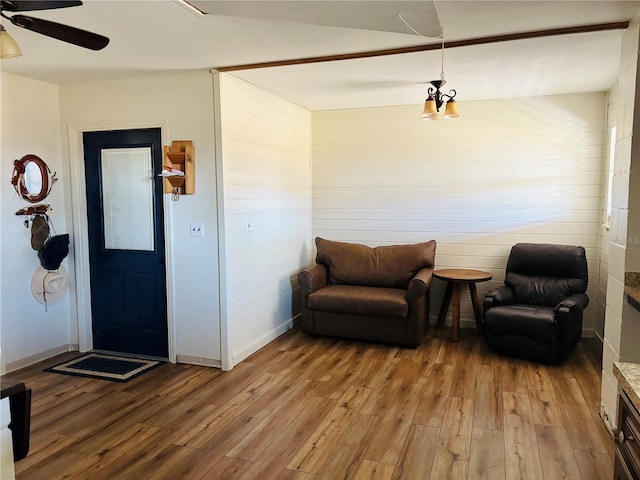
(628,374)
(632,285)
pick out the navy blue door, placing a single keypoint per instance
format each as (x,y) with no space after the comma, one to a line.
(126,241)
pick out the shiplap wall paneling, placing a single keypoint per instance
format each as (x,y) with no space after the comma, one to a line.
(508,171)
(267,205)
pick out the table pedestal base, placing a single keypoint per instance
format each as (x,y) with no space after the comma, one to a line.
(452,295)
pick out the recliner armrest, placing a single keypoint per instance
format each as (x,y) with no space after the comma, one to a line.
(503,295)
(313,278)
(420,283)
(577,300)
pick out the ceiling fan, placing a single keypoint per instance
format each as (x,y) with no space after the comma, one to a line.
(73,35)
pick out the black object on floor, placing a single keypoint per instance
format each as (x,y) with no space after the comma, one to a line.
(105,367)
(20,410)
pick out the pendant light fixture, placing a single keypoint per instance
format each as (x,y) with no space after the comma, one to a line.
(8,46)
(436,98)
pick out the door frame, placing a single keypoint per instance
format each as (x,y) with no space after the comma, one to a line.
(80,264)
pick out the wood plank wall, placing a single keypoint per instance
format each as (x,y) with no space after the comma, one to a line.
(267,205)
(508,171)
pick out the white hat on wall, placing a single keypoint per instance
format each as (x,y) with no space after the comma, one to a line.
(49,286)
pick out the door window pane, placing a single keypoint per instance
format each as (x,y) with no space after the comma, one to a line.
(127,198)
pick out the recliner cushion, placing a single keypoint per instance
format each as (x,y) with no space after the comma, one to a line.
(549,259)
(535,322)
(540,289)
(545,274)
(391,266)
(358,300)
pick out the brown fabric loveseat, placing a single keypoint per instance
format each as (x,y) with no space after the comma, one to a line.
(379,294)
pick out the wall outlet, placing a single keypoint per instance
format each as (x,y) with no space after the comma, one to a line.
(196,229)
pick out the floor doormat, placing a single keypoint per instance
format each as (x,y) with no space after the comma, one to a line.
(105,367)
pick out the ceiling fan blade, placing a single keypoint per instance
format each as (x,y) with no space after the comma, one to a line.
(30,5)
(76,36)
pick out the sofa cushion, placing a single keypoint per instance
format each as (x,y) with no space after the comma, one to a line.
(356,300)
(389,266)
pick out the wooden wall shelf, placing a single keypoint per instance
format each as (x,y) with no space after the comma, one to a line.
(180,155)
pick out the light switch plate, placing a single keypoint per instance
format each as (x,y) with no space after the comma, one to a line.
(196,229)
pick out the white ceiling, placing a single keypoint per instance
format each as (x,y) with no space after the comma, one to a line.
(159,36)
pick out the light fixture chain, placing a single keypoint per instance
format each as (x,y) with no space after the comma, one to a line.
(442,56)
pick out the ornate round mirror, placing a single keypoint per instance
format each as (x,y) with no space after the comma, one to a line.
(32,178)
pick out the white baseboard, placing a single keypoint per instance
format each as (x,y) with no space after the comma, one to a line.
(598,339)
(203,361)
(588,333)
(607,420)
(250,348)
(39,357)
(464,323)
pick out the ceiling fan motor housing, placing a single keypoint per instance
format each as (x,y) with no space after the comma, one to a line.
(65,33)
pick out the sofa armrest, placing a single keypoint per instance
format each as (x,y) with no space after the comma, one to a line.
(502,295)
(577,300)
(313,278)
(419,284)
(418,298)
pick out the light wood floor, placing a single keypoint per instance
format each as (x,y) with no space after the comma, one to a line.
(308,408)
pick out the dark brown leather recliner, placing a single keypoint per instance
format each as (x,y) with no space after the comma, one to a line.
(537,313)
(379,294)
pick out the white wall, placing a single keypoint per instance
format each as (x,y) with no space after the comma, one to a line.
(267,212)
(622,322)
(508,171)
(632,257)
(30,124)
(183,105)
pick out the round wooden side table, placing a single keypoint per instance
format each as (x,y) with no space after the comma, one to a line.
(455,277)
